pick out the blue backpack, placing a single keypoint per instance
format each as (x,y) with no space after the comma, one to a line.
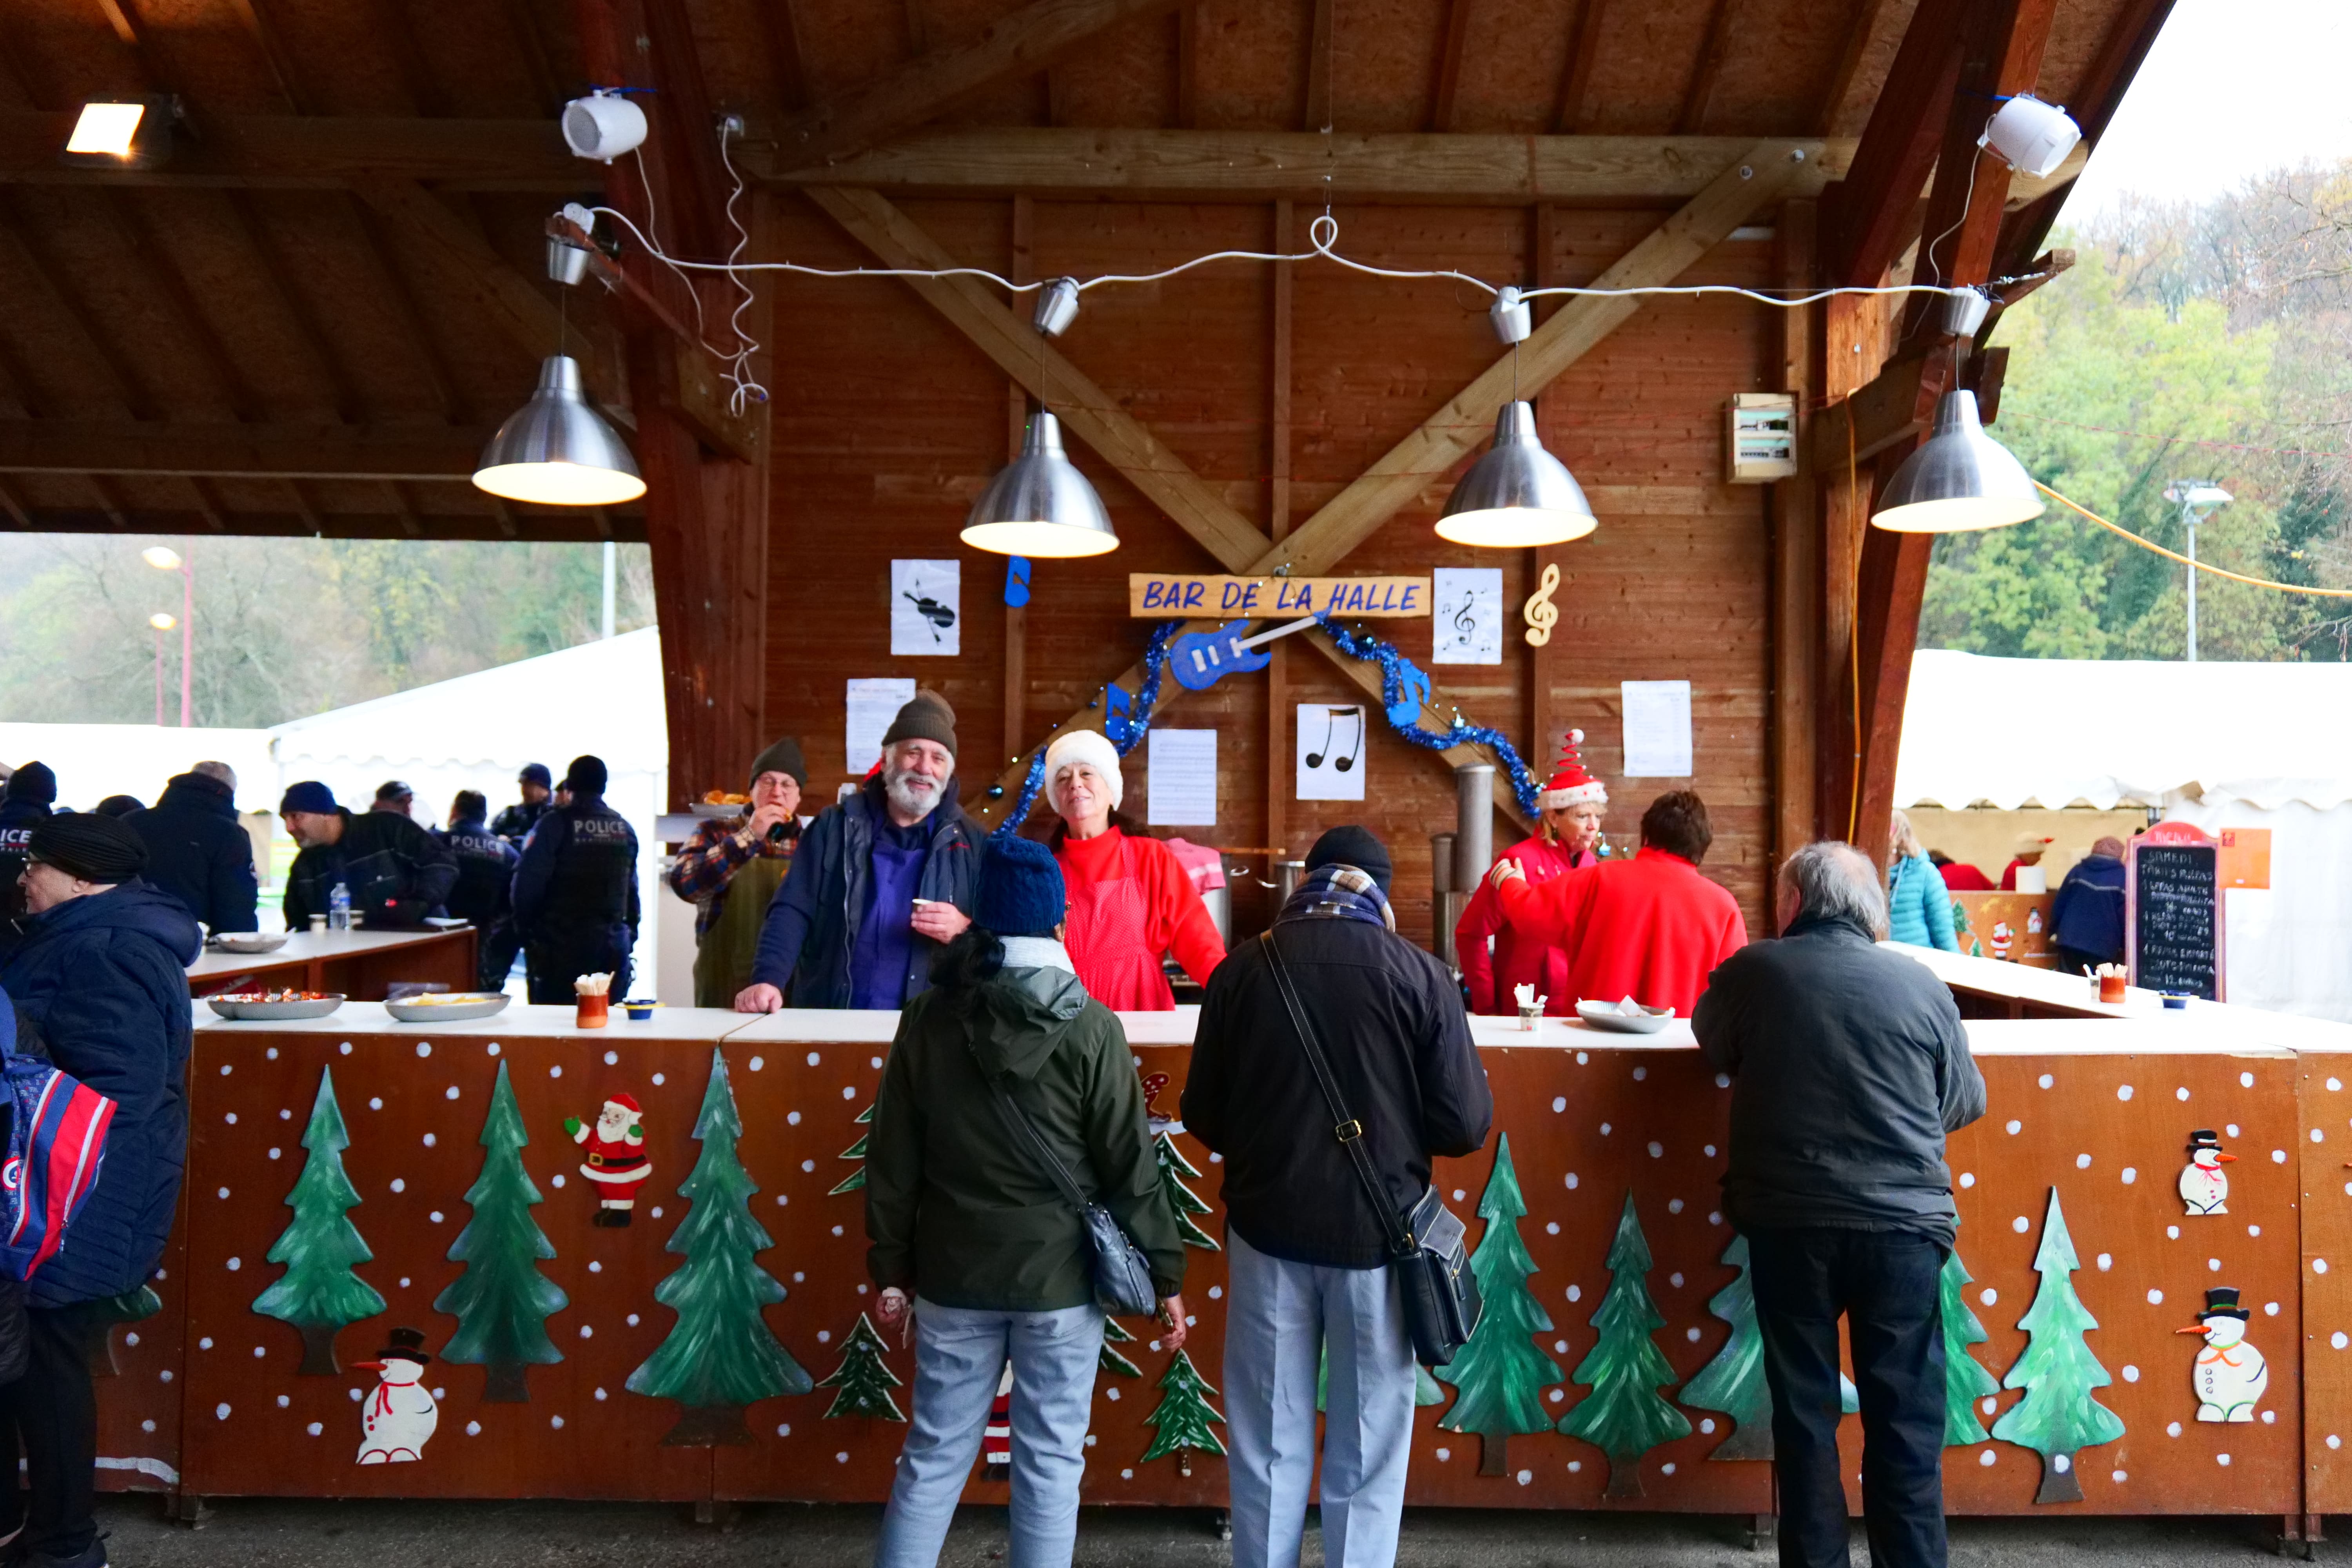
(57,1141)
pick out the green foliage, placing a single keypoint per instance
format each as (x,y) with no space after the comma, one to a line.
(1185,1415)
(1500,1373)
(1733,1382)
(862,1381)
(320,1245)
(1110,1361)
(1182,1201)
(2057,1370)
(1965,1380)
(720,1351)
(1623,1417)
(502,1301)
(856,1178)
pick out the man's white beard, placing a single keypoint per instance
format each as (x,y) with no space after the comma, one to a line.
(912,794)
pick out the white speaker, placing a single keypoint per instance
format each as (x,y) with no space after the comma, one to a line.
(2031,136)
(602,127)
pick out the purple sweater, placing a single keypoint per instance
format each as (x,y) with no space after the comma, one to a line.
(877,959)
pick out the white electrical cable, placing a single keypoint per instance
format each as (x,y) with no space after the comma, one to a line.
(738,367)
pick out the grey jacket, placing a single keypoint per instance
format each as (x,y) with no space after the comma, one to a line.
(1849,1066)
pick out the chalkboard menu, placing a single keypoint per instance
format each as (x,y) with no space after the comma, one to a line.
(2175,941)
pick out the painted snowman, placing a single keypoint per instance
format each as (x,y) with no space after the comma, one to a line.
(2229,1375)
(398,1417)
(2204,1186)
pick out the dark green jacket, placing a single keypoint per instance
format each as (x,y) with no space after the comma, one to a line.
(954,1210)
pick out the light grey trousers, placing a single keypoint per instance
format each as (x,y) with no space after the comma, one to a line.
(1280,1319)
(960,1356)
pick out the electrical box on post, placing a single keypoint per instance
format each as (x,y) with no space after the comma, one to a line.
(1760,438)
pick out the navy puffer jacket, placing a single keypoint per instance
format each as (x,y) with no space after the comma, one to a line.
(101,986)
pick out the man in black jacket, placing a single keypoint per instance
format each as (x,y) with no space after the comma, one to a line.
(396,872)
(484,893)
(514,824)
(1850,1064)
(24,803)
(198,852)
(575,893)
(1308,1259)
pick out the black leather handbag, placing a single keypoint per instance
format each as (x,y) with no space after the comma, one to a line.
(1122,1274)
(1428,1251)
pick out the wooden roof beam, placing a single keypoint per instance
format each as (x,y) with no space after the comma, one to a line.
(152,254)
(240,451)
(32,253)
(1699,97)
(263,28)
(1576,74)
(1446,87)
(313,151)
(254,234)
(1869,210)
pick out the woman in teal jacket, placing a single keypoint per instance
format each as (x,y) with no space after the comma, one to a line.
(1918,905)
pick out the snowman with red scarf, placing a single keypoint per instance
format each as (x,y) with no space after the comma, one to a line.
(398,1417)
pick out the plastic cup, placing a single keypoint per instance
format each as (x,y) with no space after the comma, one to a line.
(595,1012)
(2111,987)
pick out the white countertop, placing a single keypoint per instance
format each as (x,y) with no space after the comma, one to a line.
(2221,1024)
(520,1021)
(302,946)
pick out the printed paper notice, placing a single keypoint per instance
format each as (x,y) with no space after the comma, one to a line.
(1657,729)
(1468,625)
(872,705)
(925,596)
(1330,752)
(1183,778)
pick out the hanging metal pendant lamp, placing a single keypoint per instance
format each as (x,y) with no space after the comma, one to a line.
(1039,505)
(1518,493)
(1959,480)
(555,450)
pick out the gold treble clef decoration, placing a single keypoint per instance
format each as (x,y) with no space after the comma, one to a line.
(1541,613)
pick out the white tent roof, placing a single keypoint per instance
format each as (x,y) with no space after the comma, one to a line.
(2010,730)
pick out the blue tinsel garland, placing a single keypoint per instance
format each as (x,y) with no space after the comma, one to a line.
(1124,724)
(1396,688)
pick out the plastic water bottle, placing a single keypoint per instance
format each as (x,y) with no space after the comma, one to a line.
(339,908)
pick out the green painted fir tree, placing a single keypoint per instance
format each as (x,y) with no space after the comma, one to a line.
(1182,1201)
(1182,1419)
(502,1301)
(1499,1373)
(861,1384)
(1964,1379)
(719,1355)
(856,1178)
(1733,1382)
(1623,1417)
(1110,1361)
(2057,1417)
(319,1294)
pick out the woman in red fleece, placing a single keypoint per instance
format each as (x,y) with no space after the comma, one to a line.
(1131,903)
(1571,804)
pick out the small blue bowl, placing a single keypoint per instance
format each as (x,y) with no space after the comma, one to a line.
(2177,1004)
(640,1012)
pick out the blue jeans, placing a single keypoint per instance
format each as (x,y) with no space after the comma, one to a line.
(1281,1319)
(960,1356)
(1884,1283)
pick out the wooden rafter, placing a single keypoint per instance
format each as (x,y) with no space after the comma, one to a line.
(1576,76)
(390,25)
(415,329)
(1447,80)
(32,253)
(1714,46)
(508,301)
(1860,32)
(311,150)
(152,255)
(262,27)
(182,449)
(253,231)
(1872,208)
(1316,113)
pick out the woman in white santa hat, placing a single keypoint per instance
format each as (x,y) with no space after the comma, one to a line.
(1568,835)
(1131,903)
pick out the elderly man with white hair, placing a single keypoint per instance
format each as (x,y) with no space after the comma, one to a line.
(879,884)
(1850,1065)
(1131,903)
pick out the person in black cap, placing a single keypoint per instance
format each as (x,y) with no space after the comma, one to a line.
(101,984)
(198,851)
(396,797)
(396,872)
(729,871)
(484,893)
(515,823)
(575,893)
(24,803)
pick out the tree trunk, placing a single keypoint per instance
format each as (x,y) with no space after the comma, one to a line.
(503,1384)
(2058,1482)
(706,1426)
(319,1349)
(1625,1478)
(1493,1453)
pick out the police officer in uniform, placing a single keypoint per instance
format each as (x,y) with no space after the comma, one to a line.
(575,893)
(24,802)
(515,823)
(486,868)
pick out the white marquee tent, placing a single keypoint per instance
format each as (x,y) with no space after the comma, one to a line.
(2215,745)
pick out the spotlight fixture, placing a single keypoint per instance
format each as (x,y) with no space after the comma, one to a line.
(1959,480)
(555,450)
(2031,136)
(603,126)
(1039,504)
(1517,494)
(122,133)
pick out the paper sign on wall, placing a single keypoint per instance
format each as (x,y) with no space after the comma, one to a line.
(872,704)
(1657,729)
(1330,752)
(1468,627)
(1183,778)
(925,598)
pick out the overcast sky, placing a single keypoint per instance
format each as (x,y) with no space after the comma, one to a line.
(2233,88)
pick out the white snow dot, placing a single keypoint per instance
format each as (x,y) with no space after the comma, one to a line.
(224,1069)
(633,1319)
(1581,1058)
(1641,1073)
(275,1153)
(1561,1345)
(1708,1151)
(825,1336)
(2182,1093)
(555,1071)
(450,1092)
(1705,1427)
(658,1081)
(2156,1297)
(595,1267)
(2269,1417)
(2270,1309)
(808,1164)
(784,1430)
(2131,1174)
(224,1192)
(1571,1181)
(2338,1340)
(1675,1205)
(165,1375)
(2333,1440)
(1556,1395)
(1657,1150)
(2046,1081)
(346,1047)
(1216,1292)
(2231,1130)
(2246,1080)
(424,1048)
(556,1180)
(1988,1296)
(473,1429)
(1723,1081)
(205,1344)
(230,1119)
(1967,1178)
(404,1281)
(611,1058)
(2014,1127)
(1574,1466)
(1575,1293)
(272,1053)
(2081,1161)
(2020,1224)
(2131,1374)
(130,1338)
(376,1104)
(1129,1475)
(2223,1460)
(1714,1216)
(587,1332)
(429,1139)
(1984,1458)
(1667,1468)
(1442,1454)
(655,1210)
(2124,1091)
(1112,1391)
(1690,1334)
(314,1428)
(2319,1266)
(284,1116)
(1604,1130)
(1459,1194)
(2061,1462)
(758,1062)
(258,1351)
(799,1278)
(782,1200)
(2106,1261)
(492,1047)
(2118,1476)
(836,1230)
(2172,1233)
(556,1422)
(1676,1280)
(149,1425)
(357,1395)
(2278,1156)
(235,1264)
(1551,1227)
(1559,1103)
(399,1185)
(1526,1475)
(2215,1264)
(2253,1231)
(792,1118)
(2173,1430)
(814,1058)
(876,1062)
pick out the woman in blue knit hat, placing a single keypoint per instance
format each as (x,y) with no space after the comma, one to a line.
(975,1242)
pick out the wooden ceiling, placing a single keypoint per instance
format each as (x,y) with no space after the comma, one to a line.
(310,318)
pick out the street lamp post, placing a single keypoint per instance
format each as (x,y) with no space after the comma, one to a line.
(165,558)
(161,623)
(2198,500)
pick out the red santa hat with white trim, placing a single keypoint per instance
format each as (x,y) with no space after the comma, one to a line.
(628,1102)
(1571,785)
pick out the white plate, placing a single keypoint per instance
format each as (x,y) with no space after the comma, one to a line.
(247,942)
(474,1004)
(228,1008)
(1604,1016)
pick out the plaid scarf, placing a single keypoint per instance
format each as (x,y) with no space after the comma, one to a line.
(1341,893)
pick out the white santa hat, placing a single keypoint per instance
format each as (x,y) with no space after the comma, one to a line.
(1571,785)
(1087,746)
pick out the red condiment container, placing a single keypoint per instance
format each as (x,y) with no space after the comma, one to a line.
(2111,987)
(595,1012)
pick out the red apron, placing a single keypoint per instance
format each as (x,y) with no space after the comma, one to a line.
(1109,942)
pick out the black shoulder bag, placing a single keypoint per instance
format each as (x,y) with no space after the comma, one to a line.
(1428,1254)
(1122,1275)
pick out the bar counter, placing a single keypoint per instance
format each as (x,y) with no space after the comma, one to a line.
(2076,1164)
(360,965)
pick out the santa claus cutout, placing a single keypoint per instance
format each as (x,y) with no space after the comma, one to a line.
(615,1158)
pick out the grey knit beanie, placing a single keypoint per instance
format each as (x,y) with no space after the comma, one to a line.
(927,718)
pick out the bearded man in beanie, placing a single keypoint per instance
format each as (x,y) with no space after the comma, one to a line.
(396,872)
(100,986)
(575,893)
(24,803)
(729,871)
(879,882)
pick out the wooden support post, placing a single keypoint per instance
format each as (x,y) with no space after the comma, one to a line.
(1796,559)
(1280,773)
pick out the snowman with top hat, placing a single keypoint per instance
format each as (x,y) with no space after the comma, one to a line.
(2229,1375)
(398,1417)
(2204,1186)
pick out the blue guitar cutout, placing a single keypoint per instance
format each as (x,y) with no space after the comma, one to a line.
(1200,660)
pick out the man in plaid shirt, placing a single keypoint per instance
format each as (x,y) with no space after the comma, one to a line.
(731,869)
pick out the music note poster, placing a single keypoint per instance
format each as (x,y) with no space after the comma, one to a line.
(1466,619)
(1330,752)
(926,597)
